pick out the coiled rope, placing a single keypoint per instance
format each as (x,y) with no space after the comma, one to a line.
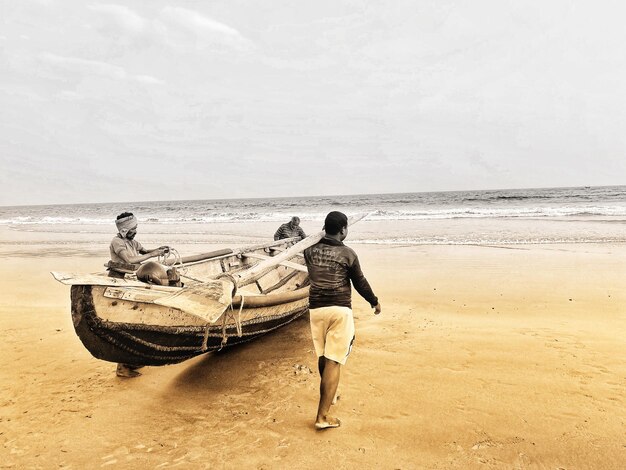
(171,252)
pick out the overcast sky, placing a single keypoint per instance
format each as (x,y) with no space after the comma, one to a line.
(158,100)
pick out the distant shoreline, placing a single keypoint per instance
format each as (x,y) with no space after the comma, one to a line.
(308,197)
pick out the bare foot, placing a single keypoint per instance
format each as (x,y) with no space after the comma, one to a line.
(127,371)
(327,422)
(335,399)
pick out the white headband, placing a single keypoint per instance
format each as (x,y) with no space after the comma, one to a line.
(125,224)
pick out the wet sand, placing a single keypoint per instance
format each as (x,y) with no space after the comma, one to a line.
(483,357)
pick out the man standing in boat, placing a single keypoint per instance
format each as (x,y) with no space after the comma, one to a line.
(126,251)
(332,267)
(290,229)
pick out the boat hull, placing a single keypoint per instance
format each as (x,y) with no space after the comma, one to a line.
(154,345)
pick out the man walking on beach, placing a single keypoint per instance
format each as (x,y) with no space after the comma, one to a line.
(290,229)
(332,266)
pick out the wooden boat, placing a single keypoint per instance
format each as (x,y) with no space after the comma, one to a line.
(129,321)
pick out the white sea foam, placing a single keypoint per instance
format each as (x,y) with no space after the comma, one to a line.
(485,241)
(304,214)
(602,204)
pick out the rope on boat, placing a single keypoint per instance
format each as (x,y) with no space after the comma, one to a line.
(178,262)
(226,314)
(229,314)
(171,252)
(205,340)
(232,280)
(238,322)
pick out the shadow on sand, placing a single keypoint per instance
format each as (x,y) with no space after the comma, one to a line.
(236,367)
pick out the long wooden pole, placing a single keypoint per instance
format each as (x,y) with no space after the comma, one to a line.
(255,272)
(225,252)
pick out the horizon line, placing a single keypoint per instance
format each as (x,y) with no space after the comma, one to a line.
(312,196)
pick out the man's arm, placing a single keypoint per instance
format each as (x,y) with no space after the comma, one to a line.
(139,258)
(279,233)
(301,233)
(120,250)
(144,251)
(361,285)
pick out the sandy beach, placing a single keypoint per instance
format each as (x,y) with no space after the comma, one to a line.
(507,357)
(483,145)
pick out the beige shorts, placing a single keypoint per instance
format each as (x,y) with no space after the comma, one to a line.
(332,329)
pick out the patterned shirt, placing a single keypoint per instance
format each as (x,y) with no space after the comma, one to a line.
(332,265)
(285,231)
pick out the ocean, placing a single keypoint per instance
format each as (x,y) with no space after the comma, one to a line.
(512,216)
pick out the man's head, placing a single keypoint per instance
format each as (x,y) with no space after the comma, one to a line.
(294,222)
(126,225)
(336,223)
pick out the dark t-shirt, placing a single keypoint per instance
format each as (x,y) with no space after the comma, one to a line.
(332,266)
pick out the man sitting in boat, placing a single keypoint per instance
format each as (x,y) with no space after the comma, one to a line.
(126,252)
(290,229)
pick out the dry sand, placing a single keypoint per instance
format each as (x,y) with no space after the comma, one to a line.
(483,357)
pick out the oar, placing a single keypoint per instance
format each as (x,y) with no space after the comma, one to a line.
(210,300)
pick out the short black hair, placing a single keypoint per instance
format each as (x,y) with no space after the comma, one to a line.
(334,222)
(124,214)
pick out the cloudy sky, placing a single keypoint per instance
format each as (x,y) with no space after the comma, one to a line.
(157,100)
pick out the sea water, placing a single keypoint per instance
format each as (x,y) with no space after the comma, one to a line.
(511,216)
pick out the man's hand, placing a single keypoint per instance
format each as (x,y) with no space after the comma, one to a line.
(377,309)
(161,251)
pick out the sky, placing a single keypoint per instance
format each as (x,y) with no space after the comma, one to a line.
(164,100)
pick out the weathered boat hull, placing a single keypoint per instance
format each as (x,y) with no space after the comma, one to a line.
(155,345)
(125,320)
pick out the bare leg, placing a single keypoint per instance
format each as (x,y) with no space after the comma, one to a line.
(321,362)
(330,371)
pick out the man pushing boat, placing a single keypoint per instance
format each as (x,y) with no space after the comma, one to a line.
(332,266)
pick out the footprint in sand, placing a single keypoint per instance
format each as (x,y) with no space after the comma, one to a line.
(300,369)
